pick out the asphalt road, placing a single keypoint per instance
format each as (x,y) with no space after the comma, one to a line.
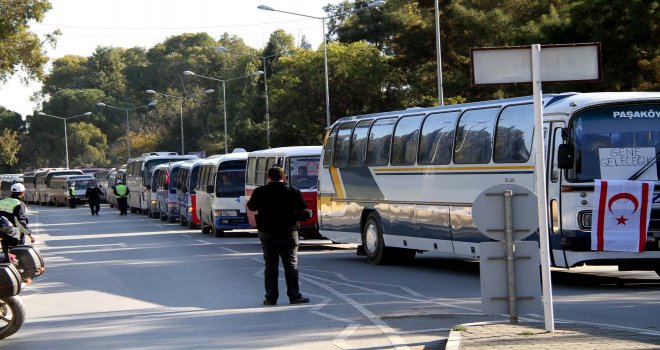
(131,282)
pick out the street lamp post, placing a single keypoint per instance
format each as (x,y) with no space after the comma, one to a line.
(224,99)
(64,119)
(224,49)
(438,58)
(128,130)
(371,4)
(180,98)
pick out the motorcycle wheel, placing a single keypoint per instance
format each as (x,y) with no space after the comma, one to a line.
(12,316)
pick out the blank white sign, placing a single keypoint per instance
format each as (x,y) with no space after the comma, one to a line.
(514,65)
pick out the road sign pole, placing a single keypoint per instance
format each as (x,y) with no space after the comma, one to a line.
(541,196)
(510,258)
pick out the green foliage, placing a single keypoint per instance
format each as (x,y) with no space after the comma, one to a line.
(9,146)
(379,59)
(87,145)
(19,47)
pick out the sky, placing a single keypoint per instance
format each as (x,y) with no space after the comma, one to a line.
(86,24)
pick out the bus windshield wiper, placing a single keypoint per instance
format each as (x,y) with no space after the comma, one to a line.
(646,167)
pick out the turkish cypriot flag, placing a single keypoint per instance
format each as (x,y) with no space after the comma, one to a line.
(621,214)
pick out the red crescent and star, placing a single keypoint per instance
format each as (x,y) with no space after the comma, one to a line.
(621,220)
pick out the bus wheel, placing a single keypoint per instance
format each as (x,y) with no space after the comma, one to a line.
(171,219)
(205,229)
(218,232)
(372,241)
(182,221)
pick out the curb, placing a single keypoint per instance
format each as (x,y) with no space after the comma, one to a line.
(453,340)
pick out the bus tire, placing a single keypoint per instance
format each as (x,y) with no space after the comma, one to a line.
(218,232)
(13,316)
(205,229)
(162,216)
(171,219)
(182,221)
(373,243)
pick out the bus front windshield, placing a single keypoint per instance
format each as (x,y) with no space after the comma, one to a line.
(303,172)
(230,183)
(149,167)
(616,143)
(82,184)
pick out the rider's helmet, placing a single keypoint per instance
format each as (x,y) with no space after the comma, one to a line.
(17,188)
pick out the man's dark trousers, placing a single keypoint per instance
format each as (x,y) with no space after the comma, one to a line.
(94,206)
(122,203)
(285,247)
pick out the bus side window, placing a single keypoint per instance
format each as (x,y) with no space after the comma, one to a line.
(342,143)
(513,135)
(405,141)
(358,148)
(251,171)
(437,140)
(329,147)
(474,136)
(380,140)
(260,172)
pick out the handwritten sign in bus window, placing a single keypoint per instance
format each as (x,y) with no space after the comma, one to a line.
(621,163)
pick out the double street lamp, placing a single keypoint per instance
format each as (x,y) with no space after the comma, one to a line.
(180,98)
(128,130)
(224,98)
(64,119)
(265,71)
(371,4)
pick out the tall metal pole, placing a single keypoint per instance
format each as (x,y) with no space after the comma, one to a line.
(181,108)
(66,145)
(327,85)
(267,111)
(128,136)
(224,110)
(438,52)
(540,179)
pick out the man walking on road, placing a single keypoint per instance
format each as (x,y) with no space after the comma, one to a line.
(121,192)
(93,195)
(279,207)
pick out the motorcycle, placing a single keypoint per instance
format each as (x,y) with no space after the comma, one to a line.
(25,264)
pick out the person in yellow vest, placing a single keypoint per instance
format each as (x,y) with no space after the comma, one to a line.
(121,192)
(72,196)
(13,209)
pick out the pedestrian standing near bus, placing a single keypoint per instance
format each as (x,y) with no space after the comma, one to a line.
(93,195)
(279,207)
(72,196)
(121,193)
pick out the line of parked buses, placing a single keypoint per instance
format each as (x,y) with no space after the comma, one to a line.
(402,182)
(206,193)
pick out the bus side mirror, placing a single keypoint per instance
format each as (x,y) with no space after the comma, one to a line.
(565,156)
(209,189)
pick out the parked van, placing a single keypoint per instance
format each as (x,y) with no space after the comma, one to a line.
(186,192)
(167,194)
(58,193)
(220,193)
(138,177)
(44,185)
(301,167)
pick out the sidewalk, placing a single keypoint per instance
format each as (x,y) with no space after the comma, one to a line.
(532,335)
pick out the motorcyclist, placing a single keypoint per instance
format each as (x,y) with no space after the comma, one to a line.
(14,211)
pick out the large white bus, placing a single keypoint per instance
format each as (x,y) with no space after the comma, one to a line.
(220,193)
(138,177)
(29,181)
(401,182)
(301,167)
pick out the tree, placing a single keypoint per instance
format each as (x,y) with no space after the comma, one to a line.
(9,146)
(87,145)
(20,47)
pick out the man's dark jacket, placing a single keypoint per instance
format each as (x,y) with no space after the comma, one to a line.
(93,194)
(280,208)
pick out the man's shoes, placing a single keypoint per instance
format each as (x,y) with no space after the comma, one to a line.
(269,302)
(301,300)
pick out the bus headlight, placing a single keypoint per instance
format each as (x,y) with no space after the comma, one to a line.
(190,209)
(225,212)
(171,205)
(153,202)
(584,220)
